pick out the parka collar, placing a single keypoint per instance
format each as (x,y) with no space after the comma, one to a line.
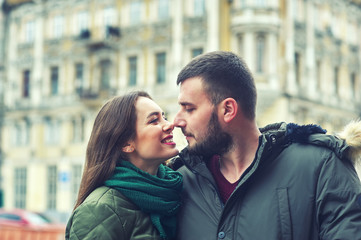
(346,144)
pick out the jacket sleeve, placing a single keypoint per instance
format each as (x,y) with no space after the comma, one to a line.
(338,200)
(95,221)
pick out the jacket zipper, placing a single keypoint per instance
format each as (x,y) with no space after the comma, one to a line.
(243,179)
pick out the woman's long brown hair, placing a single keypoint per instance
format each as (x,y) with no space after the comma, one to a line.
(113,127)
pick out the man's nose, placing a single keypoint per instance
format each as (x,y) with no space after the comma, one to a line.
(168,127)
(179,121)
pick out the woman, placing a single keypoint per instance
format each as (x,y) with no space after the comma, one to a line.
(126,192)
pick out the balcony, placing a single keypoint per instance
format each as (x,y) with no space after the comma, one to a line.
(257,18)
(105,37)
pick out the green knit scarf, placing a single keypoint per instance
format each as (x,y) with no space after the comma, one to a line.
(159,196)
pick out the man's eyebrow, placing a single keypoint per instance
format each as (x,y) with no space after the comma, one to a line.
(184,104)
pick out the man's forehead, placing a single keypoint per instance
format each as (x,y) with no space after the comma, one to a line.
(191,86)
(184,99)
(192,92)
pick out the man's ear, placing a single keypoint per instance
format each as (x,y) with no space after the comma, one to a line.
(229,109)
(128,148)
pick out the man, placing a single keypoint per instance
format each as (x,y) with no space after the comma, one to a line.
(240,182)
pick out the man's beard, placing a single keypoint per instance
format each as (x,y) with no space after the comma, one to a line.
(216,142)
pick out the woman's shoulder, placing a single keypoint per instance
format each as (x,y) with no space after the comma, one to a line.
(109,196)
(103,205)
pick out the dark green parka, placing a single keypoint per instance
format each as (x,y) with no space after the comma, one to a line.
(301,186)
(106,214)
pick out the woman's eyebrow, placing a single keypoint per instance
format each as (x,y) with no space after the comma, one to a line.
(153,113)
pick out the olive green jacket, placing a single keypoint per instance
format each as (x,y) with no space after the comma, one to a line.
(107,214)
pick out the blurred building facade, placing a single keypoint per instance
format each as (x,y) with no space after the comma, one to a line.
(61,60)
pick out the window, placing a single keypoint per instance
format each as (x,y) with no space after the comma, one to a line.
(353,85)
(109,21)
(79,79)
(335,80)
(316,17)
(298,67)
(109,16)
(22,132)
(20,187)
(196,52)
(10,216)
(26,84)
(335,24)
(260,3)
(260,53)
(78,129)
(351,32)
(318,74)
(29,32)
(298,10)
(105,74)
(54,80)
(163,9)
(27,130)
(17,134)
(242,3)
(82,22)
(241,45)
(52,131)
(199,7)
(161,68)
(76,178)
(135,11)
(58,26)
(52,187)
(132,61)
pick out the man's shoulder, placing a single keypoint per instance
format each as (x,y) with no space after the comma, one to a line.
(186,172)
(294,137)
(321,145)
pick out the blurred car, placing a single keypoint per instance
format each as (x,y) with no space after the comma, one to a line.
(19,217)
(22,224)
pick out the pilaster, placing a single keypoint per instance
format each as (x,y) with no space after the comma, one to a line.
(310,80)
(291,86)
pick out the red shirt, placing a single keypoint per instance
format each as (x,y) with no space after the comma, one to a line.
(225,188)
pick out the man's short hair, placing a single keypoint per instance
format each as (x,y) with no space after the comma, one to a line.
(224,74)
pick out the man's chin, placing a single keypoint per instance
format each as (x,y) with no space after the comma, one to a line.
(201,151)
(191,143)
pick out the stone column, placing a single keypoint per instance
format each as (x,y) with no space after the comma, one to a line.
(12,93)
(212,9)
(291,86)
(38,70)
(273,60)
(310,51)
(177,57)
(249,50)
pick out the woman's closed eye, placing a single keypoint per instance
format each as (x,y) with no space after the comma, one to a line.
(153,121)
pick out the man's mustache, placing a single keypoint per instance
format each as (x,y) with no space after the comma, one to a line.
(187,133)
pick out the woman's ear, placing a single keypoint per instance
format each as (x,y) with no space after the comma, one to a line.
(128,148)
(229,108)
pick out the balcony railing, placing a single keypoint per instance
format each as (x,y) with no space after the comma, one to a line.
(100,37)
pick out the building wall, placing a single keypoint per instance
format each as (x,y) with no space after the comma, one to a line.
(305,56)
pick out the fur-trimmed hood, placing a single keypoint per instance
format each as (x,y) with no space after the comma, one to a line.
(352,136)
(286,133)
